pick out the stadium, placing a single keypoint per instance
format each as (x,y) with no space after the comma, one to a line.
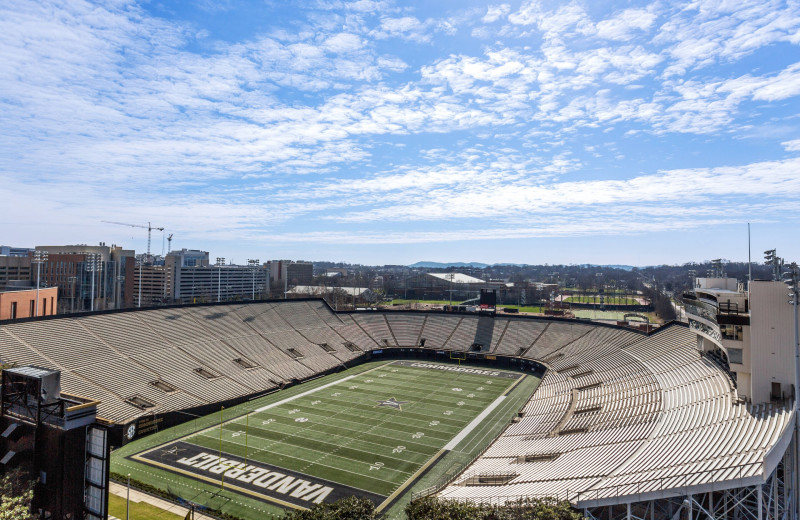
(470,407)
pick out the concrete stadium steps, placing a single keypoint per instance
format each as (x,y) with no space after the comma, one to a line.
(519,336)
(129,380)
(125,332)
(179,368)
(555,337)
(482,330)
(324,312)
(406,328)
(112,406)
(332,339)
(222,321)
(375,325)
(546,408)
(352,332)
(13,350)
(438,329)
(262,317)
(175,326)
(221,356)
(269,357)
(64,341)
(299,315)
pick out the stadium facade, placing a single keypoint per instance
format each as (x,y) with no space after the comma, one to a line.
(624,424)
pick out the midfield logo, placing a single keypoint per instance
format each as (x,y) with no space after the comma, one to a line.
(392,403)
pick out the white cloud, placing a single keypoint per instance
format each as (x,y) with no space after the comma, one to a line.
(624,25)
(495,12)
(792,146)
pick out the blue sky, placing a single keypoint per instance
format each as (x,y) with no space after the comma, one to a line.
(389,132)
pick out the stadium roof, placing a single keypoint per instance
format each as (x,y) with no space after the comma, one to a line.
(456,277)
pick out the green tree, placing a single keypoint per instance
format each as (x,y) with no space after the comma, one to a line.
(16,494)
(350,508)
(432,508)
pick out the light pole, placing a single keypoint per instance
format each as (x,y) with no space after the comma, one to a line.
(141,261)
(39,257)
(91,266)
(253,263)
(72,281)
(452,276)
(791,277)
(220,263)
(128,500)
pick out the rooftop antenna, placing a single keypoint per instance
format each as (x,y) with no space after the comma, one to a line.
(749,260)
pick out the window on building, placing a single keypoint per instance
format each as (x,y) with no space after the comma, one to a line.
(735,355)
(44,306)
(33,308)
(13,310)
(734,332)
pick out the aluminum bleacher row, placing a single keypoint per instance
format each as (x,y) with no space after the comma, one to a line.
(621,415)
(617,413)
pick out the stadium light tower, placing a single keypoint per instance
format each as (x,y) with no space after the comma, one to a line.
(771,258)
(220,263)
(93,265)
(253,263)
(39,257)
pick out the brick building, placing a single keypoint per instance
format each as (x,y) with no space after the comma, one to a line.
(21,303)
(69,268)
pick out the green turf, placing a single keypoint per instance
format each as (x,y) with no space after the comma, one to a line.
(138,510)
(344,435)
(608,300)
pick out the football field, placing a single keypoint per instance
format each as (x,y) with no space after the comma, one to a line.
(371,434)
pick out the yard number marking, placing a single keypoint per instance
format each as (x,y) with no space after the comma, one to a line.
(399,449)
(377,465)
(418,435)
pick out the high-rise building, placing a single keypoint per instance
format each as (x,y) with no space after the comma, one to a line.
(187,277)
(14,269)
(288,273)
(88,277)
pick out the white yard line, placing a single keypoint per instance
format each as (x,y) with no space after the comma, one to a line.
(474,424)
(308,392)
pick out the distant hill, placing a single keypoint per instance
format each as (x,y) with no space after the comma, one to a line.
(440,265)
(623,267)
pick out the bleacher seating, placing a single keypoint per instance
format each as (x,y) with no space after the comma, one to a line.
(618,412)
(650,414)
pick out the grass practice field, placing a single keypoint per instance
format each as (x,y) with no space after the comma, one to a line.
(608,300)
(373,434)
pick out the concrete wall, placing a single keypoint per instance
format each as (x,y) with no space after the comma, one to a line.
(771,339)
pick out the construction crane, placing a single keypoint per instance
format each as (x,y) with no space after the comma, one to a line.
(148,227)
(169,243)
